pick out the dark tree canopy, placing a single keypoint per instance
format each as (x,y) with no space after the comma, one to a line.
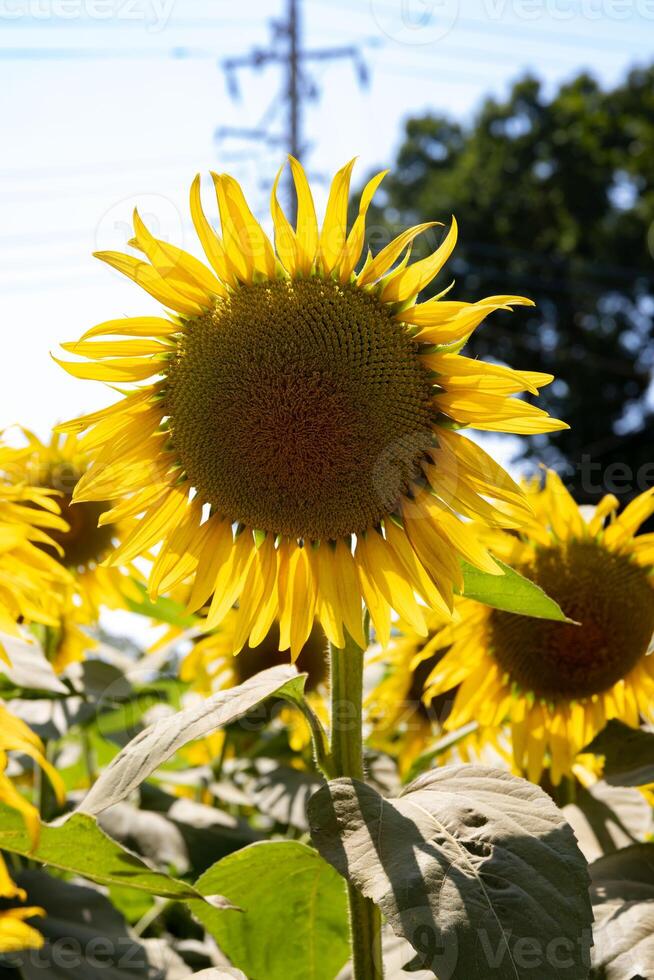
(555,200)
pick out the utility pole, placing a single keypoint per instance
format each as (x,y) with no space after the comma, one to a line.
(286,50)
(293,94)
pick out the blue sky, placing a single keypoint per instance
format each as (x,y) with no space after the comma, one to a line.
(110,103)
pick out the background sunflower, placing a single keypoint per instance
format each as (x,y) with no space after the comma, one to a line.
(86,540)
(558,684)
(406,724)
(28,576)
(29,523)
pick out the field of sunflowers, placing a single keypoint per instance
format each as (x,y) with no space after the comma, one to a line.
(391,712)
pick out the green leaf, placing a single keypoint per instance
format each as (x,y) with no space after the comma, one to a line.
(628,754)
(157,743)
(622,893)
(293,919)
(463,864)
(510,592)
(77,845)
(163,609)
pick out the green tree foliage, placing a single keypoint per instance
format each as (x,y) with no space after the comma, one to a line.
(555,200)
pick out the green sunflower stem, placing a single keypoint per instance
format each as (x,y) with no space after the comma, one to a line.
(347,760)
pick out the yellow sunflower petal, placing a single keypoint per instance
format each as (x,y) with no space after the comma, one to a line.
(627,523)
(334,229)
(210,241)
(138,326)
(307,224)
(181,270)
(246,243)
(151,281)
(409,282)
(352,249)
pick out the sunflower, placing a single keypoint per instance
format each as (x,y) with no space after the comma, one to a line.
(212,665)
(557,684)
(29,523)
(294,450)
(81,544)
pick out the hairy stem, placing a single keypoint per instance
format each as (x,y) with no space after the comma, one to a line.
(347,760)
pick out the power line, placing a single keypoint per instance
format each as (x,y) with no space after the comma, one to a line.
(82,169)
(502,26)
(94,54)
(286,50)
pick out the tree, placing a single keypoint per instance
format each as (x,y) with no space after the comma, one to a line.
(555,199)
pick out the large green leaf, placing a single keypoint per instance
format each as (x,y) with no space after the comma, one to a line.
(79,846)
(476,868)
(628,754)
(623,902)
(292,923)
(160,741)
(511,592)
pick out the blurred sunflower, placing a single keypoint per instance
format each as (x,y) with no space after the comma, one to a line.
(557,684)
(85,540)
(15,736)
(212,665)
(15,932)
(299,407)
(29,523)
(403,723)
